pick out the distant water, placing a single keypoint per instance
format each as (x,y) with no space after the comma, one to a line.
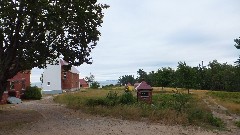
(108,82)
(38,84)
(102,83)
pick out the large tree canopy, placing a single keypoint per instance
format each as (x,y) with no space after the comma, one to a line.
(33,32)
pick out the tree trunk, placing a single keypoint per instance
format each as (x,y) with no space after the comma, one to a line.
(3,86)
(188,91)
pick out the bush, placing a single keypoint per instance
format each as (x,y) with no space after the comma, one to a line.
(126,98)
(95,85)
(33,93)
(214,121)
(195,114)
(95,102)
(111,98)
(180,101)
(237,123)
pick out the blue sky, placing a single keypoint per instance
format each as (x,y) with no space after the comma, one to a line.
(148,35)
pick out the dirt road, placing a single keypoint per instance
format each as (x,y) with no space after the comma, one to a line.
(55,119)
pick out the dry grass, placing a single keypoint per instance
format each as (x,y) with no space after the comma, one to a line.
(230,100)
(163,109)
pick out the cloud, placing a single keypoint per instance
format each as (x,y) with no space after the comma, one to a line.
(141,34)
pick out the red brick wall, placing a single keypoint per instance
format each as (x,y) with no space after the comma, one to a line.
(18,80)
(4,98)
(71,80)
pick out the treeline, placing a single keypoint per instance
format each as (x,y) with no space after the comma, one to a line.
(214,76)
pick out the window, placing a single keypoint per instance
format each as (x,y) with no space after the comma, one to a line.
(23,85)
(12,86)
(48,83)
(64,75)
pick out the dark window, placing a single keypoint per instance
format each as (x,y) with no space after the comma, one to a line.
(144,94)
(12,85)
(48,83)
(23,85)
(64,75)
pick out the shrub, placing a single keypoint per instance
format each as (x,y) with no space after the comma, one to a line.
(95,85)
(126,98)
(112,98)
(95,102)
(180,101)
(195,114)
(237,123)
(33,93)
(214,121)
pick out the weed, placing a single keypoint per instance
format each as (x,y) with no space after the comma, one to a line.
(237,123)
(214,121)
(126,98)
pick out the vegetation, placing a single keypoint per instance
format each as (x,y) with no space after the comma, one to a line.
(35,33)
(170,108)
(95,85)
(33,93)
(231,100)
(237,123)
(214,76)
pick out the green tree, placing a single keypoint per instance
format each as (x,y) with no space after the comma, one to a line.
(35,32)
(142,75)
(126,79)
(237,45)
(165,77)
(95,85)
(90,79)
(185,75)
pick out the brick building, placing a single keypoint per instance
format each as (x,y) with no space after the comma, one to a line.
(16,85)
(56,80)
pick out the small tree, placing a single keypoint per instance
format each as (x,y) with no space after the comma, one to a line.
(237,45)
(95,85)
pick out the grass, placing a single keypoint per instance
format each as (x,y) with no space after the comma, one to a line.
(230,100)
(237,123)
(167,107)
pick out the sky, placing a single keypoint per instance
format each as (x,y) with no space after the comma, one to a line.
(151,34)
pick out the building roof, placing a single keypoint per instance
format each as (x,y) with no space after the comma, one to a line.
(73,69)
(129,84)
(143,86)
(63,62)
(82,81)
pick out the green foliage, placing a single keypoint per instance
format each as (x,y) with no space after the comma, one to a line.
(169,108)
(126,98)
(237,123)
(39,31)
(229,96)
(214,121)
(95,85)
(123,80)
(95,102)
(180,101)
(33,93)
(177,101)
(215,76)
(112,98)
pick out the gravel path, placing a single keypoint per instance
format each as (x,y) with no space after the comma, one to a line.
(58,120)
